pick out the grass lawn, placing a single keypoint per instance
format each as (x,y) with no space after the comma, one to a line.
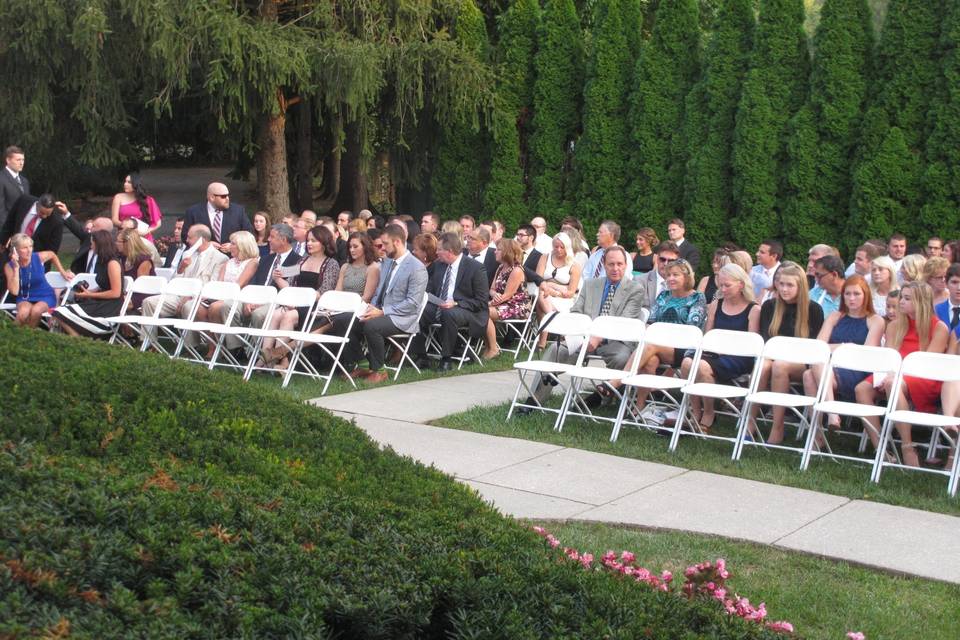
(916,490)
(822,598)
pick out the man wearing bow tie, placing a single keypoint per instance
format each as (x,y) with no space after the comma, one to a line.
(479,249)
(218,215)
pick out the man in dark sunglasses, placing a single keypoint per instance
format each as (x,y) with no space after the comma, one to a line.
(219,215)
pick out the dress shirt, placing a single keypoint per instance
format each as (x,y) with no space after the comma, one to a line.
(482,256)
(16,176)
(543,243)
(944,311)
(762,278)
(661,283)
(607,285)
(822,297)
(590,268)
(454,269)
(27,219)
(212,212)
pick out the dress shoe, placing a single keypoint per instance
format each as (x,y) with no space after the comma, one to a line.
(376,377)
(525,411)
(422,361)
(360,372)
(446,365)
(593,400)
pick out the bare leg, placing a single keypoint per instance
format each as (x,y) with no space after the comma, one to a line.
(490,339)
(36,314)
(907,449)
(762,385)
(23,313)
(781,376)
(866,393)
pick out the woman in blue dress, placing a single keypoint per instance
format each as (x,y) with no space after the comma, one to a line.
(27,281)
(855,323)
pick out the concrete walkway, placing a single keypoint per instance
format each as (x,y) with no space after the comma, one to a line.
(543,481)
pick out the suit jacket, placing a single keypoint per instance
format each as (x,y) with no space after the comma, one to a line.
(648,282)
(470,291)
(10,192)
(627,300)
(79,264)
(264,271)
(46,236)
(530,268)
(489,263)
(204,264)
(234,219)
(401,302)
(690,253)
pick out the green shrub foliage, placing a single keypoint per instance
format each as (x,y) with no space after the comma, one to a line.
(668,67)
(462,164)
(143,498)
(824,134)
(557,97)
(774,90)
(711,109)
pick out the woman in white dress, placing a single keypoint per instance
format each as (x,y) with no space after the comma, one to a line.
(561,279)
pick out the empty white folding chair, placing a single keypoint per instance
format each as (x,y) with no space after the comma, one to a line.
(564,327)
(145,285)
(255,295)
(721,342)
(928,366)
(402,341)
(803,351)
(287,298)
(662,334)
(856,358)
(213,291)
(609,328)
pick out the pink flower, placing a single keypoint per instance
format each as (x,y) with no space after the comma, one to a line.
(720,594)
(553,542)
(586,559)
(540,530)
(854,635)
(782,626)
(666,576)
(627,557)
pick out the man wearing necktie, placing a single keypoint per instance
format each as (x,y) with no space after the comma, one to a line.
(32,216)
(219,215)
(949,309)
(13,183)
(608,234)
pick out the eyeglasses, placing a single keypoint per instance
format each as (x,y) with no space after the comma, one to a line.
(221,195)
(520,234)
(818,275)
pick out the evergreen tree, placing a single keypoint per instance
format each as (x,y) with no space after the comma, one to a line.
(774,90)
(631,12)
(601,154)
(462,153)
(824,133)
(505,195)
(557,96)
(665,72)
(907,76)
(711,110)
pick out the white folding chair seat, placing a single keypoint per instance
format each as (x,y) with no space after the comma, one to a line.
(292,297)
(166,273)
(213,291)
(663,334)
(575,326)
(255,295)
(402,341)
(612,328)
(146,285)
(929,366)
(804,351)
(155,330)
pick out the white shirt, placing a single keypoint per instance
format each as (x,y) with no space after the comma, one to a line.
(28,218)
(396,267)
(762,278)
(482,256)
(660,282)
(454,269)
(16,176)
(543,243)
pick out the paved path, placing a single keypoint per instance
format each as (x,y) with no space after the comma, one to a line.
(543,481)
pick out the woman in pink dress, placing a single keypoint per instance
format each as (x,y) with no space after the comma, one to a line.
(133,202)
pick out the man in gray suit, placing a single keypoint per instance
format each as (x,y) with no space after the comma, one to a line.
(611,295)
(653,281)
(394,308)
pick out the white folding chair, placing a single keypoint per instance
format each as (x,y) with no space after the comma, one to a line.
(521,328)
(929,366)
(662,334)
(253,294)
(402,341)
(563,326)
(213,291)
(166,272)
(804,351)
(611,328)
(722,342)
(857,358)
(288,297)
(155,330)
(146,285)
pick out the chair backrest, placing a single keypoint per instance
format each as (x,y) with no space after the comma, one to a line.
(668,334)
(340,301)
(423,305)
(148,285)
(258,294)
(166,272)
(796,350)
(733,343)
(932,366)
(56,280)
(644,315)
(617,328)
(222,291)
(296,297)
(185,287)
(567,324)
(858,357)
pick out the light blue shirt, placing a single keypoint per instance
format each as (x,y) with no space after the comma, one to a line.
(828,303)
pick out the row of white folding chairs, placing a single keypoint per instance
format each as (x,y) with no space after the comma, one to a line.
(808,410)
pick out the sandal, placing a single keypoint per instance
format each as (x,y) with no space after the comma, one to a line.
(605,390)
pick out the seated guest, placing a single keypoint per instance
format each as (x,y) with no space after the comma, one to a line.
(883,280)
(132,225)
(83,261)
(743,260)
(892,308)
(468,223)
(571,222)
(911,268)
(173,249)
(136,261)
(610,295)
(935,275)
(643,257)
(361,276)
(855,322)
(85,316)
(791,313)
(708,284)
(768,261)
(261,233)
(897,249)
(395,306)
(951,251)
(733,309)
(608,234)
(863,261)
(479,248)
(319,270)
(816,252)
(676,232)
(357,225)
(827,273)
(452,226)
(461,284)
(934,247)
(425,248)
(27,281)
(377,241)
(509,299)
(916,328)
(526,237)
(949,309)
(654,282)
(544,241)
(240,268)
(430,223)
(581,252)
(560,282)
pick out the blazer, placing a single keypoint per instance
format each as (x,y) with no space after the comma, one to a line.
(690,253)
(530,267)
(204,264)
(46,236)
(648,282)
(401,302)
(627,300)
(172,253)
(79,264)
(470,291)
(263,272)
(489,263)
(234,219)
(10,192)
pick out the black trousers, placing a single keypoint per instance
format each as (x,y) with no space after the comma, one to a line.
(375,333)
(451,320)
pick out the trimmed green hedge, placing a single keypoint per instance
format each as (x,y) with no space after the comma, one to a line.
(144,498)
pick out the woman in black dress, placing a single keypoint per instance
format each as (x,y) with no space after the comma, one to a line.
(85,317)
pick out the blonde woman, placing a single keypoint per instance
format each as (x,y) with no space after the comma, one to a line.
(244,258)
(883,280)
(733,310)
(453,226)
(916,328)
(911,269)
(137,260)
(508,295)
(790,313)
(935,275)
(742,259)
(561,280)
(581,252)
(27,282)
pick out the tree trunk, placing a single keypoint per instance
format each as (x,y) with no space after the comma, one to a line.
(273,183)
(304,178)
(353,178)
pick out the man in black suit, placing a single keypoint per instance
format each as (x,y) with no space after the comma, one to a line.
(463,288)
(175,249)
(221,217)
(13,183)
(478,248)
(527,238)
(33,216)
(676,231)
(84,261)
